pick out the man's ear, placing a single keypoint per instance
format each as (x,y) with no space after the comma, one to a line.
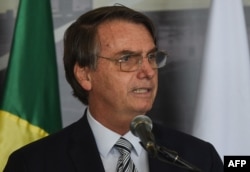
(82,75)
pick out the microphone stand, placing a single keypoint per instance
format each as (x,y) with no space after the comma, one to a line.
(169,156)
(172,157)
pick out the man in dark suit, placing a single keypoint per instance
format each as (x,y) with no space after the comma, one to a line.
(111,60)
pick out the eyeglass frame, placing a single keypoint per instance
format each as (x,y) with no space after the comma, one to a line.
(139,60)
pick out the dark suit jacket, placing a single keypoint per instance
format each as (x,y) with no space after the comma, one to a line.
(74,149)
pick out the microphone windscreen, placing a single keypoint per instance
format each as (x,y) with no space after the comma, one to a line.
(140,120)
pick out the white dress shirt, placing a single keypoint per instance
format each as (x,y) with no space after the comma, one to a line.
(106,139)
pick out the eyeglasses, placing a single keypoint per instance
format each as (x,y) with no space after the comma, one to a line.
(132,61)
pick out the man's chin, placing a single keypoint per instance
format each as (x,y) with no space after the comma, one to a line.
(144,110)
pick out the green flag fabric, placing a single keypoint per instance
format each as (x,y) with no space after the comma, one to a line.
(30,106)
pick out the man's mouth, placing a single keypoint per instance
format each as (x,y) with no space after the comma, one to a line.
(141,90)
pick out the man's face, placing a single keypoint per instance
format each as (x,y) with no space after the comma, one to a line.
(117,92)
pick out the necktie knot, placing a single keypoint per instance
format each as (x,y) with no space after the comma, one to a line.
(125,163)
(123,146)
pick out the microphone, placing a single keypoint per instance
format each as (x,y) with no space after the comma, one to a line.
(141,127)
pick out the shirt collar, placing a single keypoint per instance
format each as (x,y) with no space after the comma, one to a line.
(106,138)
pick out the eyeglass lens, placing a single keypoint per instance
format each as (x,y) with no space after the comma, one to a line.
(132,62)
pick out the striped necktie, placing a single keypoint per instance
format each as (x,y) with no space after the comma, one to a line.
(125,163)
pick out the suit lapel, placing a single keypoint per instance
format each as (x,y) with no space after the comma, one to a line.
(83,149)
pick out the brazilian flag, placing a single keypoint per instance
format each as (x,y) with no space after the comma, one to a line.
(30,106)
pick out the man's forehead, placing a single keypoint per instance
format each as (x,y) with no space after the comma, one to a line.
(120,30)
(111,26)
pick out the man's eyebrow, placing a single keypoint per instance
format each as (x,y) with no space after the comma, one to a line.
(135,52)
(127,52)
(152,50)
